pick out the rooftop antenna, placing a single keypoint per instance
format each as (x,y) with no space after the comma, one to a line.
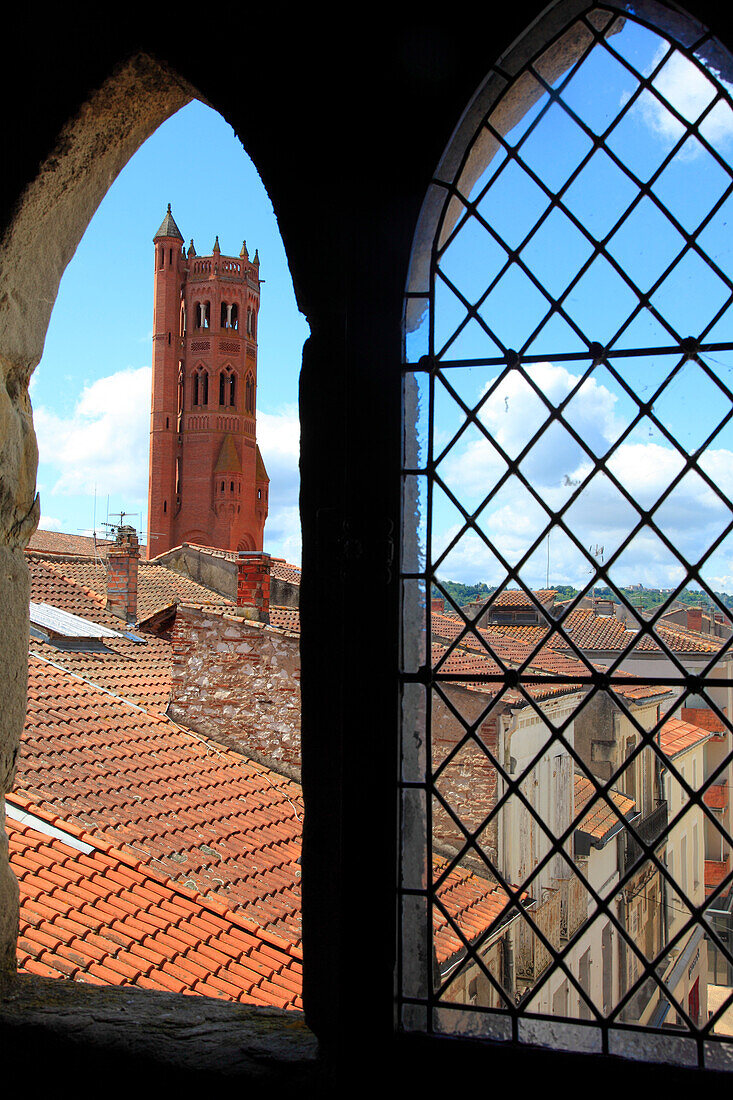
(114,528)
(547,578)
(597,552)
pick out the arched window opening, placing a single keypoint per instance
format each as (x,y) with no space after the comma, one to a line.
(127,406)
(249,394)
(227,387)
(224,315)
(234,323)
(201,386)
(568,348)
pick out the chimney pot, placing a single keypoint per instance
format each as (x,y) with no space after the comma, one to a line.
(253,583)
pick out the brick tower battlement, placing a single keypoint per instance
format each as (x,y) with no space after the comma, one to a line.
(207,482)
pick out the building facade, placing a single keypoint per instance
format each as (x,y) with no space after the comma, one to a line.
(207,481)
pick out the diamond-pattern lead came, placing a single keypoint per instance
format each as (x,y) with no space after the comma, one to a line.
(579,737)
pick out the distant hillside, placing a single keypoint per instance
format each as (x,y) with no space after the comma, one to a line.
(643,598)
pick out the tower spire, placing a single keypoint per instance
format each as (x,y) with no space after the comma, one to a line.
(168,228)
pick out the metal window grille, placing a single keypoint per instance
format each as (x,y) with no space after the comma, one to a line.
(548,889)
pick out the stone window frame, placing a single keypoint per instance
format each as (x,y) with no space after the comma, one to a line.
(122,1028)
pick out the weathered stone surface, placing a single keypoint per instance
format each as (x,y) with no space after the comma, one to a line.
(49,220)
(252,676)
(188,1035)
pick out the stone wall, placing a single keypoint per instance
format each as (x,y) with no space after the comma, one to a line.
(468,782)
(219,573)
(238,681)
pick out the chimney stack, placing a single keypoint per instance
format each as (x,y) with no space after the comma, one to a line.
(694,619)
(253,584)
(122,563)
(437,605)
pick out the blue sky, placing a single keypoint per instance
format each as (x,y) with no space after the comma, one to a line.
(554,249)
(91,391)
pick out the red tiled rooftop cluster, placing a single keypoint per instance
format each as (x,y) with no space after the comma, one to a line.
(101,917)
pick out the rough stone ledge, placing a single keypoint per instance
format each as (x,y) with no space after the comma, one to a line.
(61,1026)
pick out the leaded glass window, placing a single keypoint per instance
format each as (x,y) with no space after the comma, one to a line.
(567,549)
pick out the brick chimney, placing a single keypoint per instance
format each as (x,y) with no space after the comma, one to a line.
(437,605)
(253,584)
(694,619)
(122,562)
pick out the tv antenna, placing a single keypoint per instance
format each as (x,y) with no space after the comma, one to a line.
(597,552)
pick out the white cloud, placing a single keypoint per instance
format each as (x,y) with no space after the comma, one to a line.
(49,523)
(692,517)
(689,91)
(104,444)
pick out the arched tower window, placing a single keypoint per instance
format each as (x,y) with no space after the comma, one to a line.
(234,316)
(201,386)
(568,353)
(249,393)
(227,387)
(224,315)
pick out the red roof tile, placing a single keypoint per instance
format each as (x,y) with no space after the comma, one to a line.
(186,806)
(600,819)
(172,954)
(157,586)
(676,736)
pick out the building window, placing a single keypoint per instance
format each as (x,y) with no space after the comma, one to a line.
(228,387)
(567,401)
(201,386)
(249,394)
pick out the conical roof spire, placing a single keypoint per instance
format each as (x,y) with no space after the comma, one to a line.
(168,227)
(191,249)
(244,254)
(217,250)
(256,260)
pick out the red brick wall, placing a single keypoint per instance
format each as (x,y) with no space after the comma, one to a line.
(238,681)
(703,717)
(122,567)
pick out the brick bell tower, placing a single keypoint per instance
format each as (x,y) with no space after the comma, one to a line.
(208,483)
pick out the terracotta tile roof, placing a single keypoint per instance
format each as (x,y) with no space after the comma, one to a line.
(676,736)
(472,663)
(474,903)
(514,597)
(157,587)
(600,819)
(716,796)
(286,618)
(716,870)
(100,916)
(284,571)
(137,670)
(199,814)
(57,542)
(591,631)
